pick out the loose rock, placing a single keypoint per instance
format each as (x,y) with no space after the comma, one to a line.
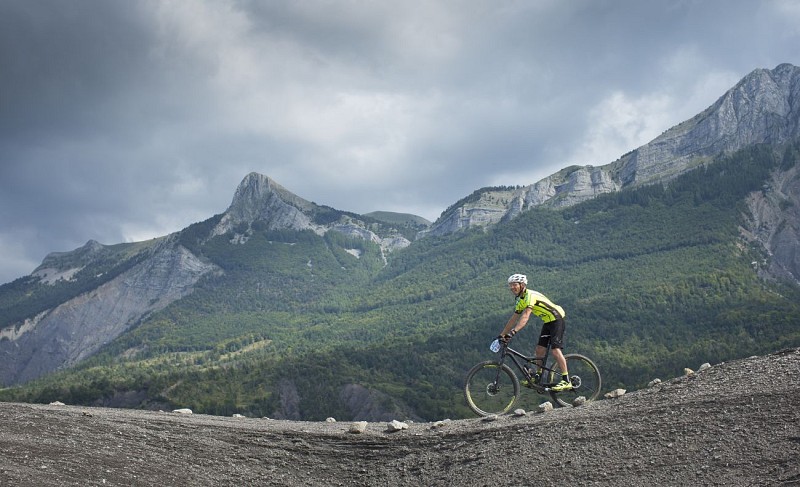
(615,393)
(358,427)
(395,425)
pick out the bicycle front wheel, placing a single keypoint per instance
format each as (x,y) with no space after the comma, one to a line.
(491,388)
(585,378)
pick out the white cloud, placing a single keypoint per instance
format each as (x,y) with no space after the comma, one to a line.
(619,124)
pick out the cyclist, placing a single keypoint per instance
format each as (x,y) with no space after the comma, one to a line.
(552,315)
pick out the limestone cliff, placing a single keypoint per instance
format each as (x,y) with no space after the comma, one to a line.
(260,199)
(764,107)
(76,328)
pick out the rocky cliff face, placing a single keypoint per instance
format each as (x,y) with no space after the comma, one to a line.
(76,329)
(764,107)
(567,187)
(773,224)
(260,199)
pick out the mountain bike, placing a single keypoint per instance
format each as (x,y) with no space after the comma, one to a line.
(492,387)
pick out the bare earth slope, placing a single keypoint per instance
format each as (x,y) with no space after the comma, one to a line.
(736,423)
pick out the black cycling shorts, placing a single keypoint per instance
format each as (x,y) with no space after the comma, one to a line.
(553,333)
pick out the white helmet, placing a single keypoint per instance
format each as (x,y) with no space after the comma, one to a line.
(518,278)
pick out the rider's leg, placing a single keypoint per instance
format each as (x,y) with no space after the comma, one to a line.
(557,341)
(560,360)
(541,347)
(540,351)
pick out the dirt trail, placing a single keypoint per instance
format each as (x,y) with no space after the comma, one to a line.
(716,428)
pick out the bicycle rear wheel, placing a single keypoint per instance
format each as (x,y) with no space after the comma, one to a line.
(585,378)
(491,388)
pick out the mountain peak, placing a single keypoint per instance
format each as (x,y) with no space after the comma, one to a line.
(260,198)
(761,108)
(255,188)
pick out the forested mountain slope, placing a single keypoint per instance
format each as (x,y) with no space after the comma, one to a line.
(298,326)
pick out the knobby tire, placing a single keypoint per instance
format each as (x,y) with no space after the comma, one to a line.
(583,373)
(491,388)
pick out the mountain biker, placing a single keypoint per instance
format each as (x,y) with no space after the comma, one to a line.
(552,315)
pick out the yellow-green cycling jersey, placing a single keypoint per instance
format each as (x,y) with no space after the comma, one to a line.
(540,306)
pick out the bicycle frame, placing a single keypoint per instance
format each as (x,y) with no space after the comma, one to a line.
(492,386)
(540,385)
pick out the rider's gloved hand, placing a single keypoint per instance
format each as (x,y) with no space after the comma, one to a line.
(507,338)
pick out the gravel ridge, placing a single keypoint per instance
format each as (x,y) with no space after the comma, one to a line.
(735,423)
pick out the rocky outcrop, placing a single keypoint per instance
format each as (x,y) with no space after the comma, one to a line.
(260,199)
(289,401)
(371,405)
(491,205)
(484,207)
(362,404)
(577,185)
(773,225)
(764,107)
(77,328)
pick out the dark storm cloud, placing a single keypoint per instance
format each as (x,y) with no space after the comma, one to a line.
(125,120)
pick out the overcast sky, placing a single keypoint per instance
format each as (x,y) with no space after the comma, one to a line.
(123,120)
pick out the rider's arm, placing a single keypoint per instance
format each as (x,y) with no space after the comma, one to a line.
(509,325)
(520,320)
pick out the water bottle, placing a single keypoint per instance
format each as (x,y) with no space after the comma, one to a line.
(495,346)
